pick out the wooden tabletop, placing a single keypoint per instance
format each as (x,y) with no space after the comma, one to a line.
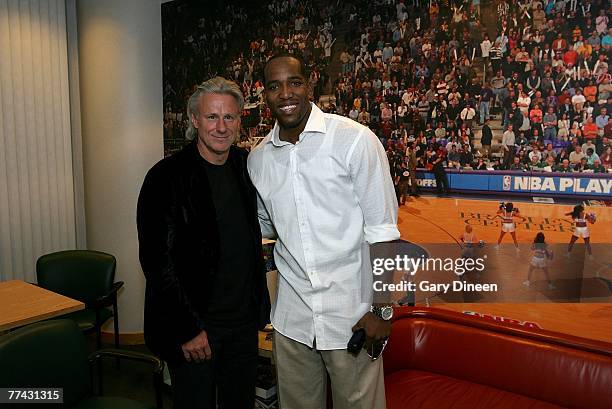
(22,303)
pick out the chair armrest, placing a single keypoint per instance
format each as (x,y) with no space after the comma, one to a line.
(109,298)
(158,366)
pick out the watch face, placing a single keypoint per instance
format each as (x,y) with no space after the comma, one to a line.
(386,313)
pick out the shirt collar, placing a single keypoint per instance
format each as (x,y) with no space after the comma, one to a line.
(315,123)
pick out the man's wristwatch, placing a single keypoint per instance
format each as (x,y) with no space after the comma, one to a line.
(384,312)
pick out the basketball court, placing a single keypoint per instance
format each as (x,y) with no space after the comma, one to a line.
(580,304)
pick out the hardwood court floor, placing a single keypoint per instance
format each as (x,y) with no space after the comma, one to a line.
(429,220)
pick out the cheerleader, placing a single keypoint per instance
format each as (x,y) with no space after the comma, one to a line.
(507,212)
(581,228)
(541,254)
(469,242)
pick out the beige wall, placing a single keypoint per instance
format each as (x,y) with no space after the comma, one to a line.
(120,71)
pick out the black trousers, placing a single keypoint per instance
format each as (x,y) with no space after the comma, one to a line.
(229,377)
(441,181)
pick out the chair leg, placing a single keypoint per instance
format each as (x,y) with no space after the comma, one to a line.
(100,380)
(98,331)
(116,328)
(116,323)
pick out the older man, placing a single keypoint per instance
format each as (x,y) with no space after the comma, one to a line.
(200,250)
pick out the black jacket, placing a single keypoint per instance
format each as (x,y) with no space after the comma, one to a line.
(179,248)
(487,135)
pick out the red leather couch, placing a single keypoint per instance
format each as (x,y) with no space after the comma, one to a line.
(439,359)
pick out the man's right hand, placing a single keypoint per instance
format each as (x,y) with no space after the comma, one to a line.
(197,350)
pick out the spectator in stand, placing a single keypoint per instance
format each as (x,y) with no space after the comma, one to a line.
(601,22)
(467,115)
(364,117)
(523,102)
(386,113)
(591,156)
(576,156)
(601,121)
(535,153)
(563,127)
(550,124)
(588,145)
(466,157)
(453,156)
(516,164)
(548,165)
(590,92)
(486,95)
(549,151)
(589,129)
(525,126)
(498,84)
(535,118)
(354,113)
(486,138)
(534,163)
(564,166)
(606,158)
(508,141)
(582,165)
(578,100)
(598,167)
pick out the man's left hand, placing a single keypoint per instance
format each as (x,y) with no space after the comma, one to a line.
(376,329)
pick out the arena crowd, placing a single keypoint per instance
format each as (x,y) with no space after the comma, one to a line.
(504,85)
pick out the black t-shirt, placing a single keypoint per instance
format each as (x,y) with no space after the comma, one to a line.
(403,173)
(231,301)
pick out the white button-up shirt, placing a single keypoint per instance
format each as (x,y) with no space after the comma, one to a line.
(324,199)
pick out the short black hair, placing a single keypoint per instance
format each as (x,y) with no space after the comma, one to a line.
(303,67)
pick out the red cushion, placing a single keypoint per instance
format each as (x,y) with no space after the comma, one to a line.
(537,364)
(425,390)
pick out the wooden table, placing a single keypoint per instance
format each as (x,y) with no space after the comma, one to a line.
(22,303)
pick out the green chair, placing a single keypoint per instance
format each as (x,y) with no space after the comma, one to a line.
(87,276)
(53,354)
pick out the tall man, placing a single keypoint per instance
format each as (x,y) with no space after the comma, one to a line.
(200,250)
(326,193)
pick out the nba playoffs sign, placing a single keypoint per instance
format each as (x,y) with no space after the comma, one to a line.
(549,184)
(560,185)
